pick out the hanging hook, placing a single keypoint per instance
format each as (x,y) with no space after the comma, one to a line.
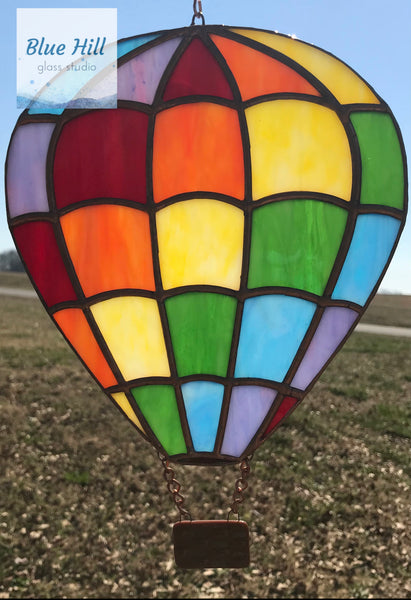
(198,12)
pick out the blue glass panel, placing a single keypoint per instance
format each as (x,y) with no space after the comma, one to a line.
(203,400)
(271,332)
(249,405)
(38,110)
(373,239)
(126,46)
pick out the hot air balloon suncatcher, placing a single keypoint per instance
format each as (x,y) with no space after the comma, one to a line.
(207,247)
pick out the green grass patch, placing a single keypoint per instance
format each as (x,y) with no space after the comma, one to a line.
(391,419)
(357,393)
(79,477)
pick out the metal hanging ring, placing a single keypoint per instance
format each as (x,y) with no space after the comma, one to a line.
(198,12)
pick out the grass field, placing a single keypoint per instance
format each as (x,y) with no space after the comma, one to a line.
(84,509)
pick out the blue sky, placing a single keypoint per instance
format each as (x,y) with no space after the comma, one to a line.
(371,36)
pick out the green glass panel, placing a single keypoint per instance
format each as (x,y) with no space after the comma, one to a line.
(201,327)
(294,244)
(159,407)
(382,163)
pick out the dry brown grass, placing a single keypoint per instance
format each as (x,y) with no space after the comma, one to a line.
(84,511)
(389,309)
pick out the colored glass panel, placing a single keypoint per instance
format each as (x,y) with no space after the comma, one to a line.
(110,247)
(340,79)
(201,327)
(40,252)
(382,172)
(373,240)
(283,410)
(187,140)
(272,330)
(37,108)
(249,406)
(127,45)
(200,242)
(298,146)
(121,399)
(138,78)
(333,327)
(197,72)
(159,407)
(102,154)
(203,401)
(131,327)
(181,143)
(75,327)
(26,169)
(294,244)
(257,74)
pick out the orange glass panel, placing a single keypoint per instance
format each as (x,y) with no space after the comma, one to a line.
(110,247)
(340,79)
(198,147)
(75,327)
(258,74)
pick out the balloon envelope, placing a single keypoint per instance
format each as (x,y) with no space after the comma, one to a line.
(207,247)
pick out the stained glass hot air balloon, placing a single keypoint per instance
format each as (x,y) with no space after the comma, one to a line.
(207,247)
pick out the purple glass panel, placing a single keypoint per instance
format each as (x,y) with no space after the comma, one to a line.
(26,169)
(137,79)
(333,327)
(249,405)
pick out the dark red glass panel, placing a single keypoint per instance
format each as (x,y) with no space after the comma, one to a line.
(102,154)
(38,246)
(283,410)
(197,72)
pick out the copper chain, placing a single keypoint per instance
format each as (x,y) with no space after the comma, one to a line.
(240,485)
(174,487)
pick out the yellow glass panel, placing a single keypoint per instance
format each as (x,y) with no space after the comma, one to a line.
(75,327)
(346,86)
(121,399)
(298,146)
(131,327)
(200,242)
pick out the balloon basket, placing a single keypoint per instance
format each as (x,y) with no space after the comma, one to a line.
(211,544)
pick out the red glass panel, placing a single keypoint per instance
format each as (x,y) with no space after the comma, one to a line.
(38,246)
(283,410)
(102,154)
(197,72)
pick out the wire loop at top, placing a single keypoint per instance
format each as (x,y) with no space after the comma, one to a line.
(198,12)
